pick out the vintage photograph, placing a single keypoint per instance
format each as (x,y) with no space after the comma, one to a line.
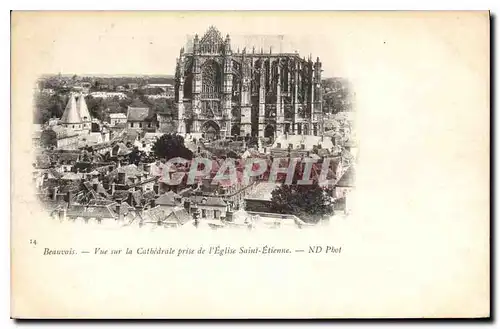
(250,165)
(246,132)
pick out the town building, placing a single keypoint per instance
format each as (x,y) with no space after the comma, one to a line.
(257,93)
(108,94)
(140,118)
(117,118)
(76,115)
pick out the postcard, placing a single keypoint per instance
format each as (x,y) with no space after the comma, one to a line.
(250,165)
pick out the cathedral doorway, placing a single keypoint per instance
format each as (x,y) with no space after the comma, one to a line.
(235,130)
(269,133)
(211,130)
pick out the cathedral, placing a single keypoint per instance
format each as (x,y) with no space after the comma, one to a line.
(250,93)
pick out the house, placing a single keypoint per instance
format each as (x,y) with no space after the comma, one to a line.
(108,94)
(61,137)
(76,115)
(120,149)
(302,142)
(179,216)
(168,201)
(343,187)
(207,206)
(139,118)
(117,118)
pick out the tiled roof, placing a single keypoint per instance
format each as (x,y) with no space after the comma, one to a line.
(137,113)
(130,170)
(167,199)
(262,191)
(297,140)
(180,215)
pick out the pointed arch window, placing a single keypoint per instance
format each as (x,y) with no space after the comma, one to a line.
(212,81)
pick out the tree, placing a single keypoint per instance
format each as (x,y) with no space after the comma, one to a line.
(308,202)
(96,106)
(171,146)
(48,138)
(47,107)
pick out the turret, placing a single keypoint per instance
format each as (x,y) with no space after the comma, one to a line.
(196,44)
(227,45)
(317,71)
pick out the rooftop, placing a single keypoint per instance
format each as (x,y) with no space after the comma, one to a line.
(262,191)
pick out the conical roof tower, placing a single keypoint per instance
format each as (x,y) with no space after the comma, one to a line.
(83,110)
(71,113)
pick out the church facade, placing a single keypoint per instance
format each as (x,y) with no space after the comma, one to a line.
(250,93)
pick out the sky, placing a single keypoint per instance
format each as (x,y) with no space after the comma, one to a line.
(148,43)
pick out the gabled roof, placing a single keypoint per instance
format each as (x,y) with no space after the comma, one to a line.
(68,156)
(167,199)
(71,113)
(137,113)
(179,215)
(309,141)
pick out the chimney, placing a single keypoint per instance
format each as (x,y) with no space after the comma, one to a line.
(130,199)
(113,187)
(70,197)
(54,195)
(117,210)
